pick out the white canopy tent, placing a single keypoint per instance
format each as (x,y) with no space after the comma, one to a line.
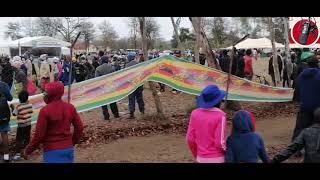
(260,43)
(38,42)
(300,46)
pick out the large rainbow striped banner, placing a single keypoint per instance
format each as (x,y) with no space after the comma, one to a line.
(177,73)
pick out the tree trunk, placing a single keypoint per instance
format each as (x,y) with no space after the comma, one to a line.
(289,66)
(275,59)
(196,23)
(196,26)
(176,32)
(157,101)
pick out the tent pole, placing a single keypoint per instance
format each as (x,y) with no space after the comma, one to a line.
(19,46)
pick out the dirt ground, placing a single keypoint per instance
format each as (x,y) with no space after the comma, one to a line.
(108,142)
(172,148)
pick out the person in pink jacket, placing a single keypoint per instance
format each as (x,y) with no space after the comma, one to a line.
(206,135)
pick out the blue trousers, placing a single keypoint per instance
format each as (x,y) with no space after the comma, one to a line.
(136,95)
(59,156)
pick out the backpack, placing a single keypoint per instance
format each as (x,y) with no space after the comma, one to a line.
(4,109)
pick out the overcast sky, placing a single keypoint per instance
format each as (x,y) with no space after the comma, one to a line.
(119,24)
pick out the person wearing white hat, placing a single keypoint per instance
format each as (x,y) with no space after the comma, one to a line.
(44,71)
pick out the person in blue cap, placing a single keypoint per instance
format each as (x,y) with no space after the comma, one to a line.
(207,127)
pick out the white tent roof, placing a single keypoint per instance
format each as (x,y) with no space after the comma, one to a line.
(300,46)
(260,43)
(39,41)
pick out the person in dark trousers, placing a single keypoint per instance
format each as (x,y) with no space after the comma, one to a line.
(23,111)
(307,94)
(244,145)
(309,138)
(240,63)
(5,114)
(202,59)
(7,72)
(95,62)
(90,69)
(80,70)
(136,95)
(106,68)
(234,62)
(271,71)
(224,61)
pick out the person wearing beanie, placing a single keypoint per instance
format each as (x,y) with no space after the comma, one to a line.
(103,69)
(53,129)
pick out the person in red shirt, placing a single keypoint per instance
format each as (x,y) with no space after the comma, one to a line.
(53,129)
(248,70)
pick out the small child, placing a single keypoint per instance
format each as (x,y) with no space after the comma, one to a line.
(309,139)
(23,111)
(244,145)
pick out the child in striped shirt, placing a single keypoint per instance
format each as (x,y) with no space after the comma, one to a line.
(23,111)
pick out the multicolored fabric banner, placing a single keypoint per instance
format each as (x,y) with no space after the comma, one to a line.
(182,75)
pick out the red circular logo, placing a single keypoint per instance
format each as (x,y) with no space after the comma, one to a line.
(305,32)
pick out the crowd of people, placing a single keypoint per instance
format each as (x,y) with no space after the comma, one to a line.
(206,134)
(23,76)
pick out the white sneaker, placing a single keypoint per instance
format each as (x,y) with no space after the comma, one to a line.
(17,157)
(6,158)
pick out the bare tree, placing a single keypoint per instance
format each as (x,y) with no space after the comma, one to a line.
(88,33)
(67,27)
(30,27)
(275,58)
(122,43)
(143,31)
(108,34)
(289,65)
(13,31)
(152,31)
(133,23)
(176,32)
(196,23)
(45,26)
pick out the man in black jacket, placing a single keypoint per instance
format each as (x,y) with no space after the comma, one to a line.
(240,64)
(7,72)
(271,70)
(309,139)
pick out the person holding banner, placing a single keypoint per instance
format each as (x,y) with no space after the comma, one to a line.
(107,68)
